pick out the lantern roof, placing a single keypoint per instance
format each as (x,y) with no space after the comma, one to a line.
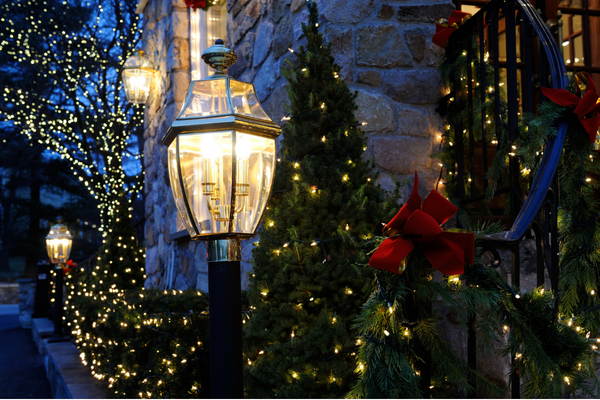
(221,102)
(139,60)
(59,231)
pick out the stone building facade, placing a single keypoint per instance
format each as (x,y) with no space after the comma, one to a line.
(384,49)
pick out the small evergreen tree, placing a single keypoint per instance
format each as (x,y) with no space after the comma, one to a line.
(309,278)
(120,264)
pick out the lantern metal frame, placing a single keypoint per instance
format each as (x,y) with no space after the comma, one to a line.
(219,57)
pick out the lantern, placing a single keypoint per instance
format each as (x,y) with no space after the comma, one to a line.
(221,161)
(221,154)
(58,243)
(137,74)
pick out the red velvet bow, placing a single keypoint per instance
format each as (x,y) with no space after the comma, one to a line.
(195,4)
(587,108)
(69,267)
(444,28)
(446,250)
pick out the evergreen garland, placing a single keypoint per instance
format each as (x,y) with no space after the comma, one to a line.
(578,224)
(548,335)
(496,133)
(309,282)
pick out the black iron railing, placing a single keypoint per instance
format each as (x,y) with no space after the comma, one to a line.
(509,37)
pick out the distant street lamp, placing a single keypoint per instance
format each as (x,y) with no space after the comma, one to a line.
(58,245)
(221,161)
(138,71)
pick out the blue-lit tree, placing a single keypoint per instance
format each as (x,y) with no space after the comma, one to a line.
(62,88)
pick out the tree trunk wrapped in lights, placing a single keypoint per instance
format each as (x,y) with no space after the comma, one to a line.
(308,282)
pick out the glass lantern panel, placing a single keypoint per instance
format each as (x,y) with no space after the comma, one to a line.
(245,101)
(137,84)
(206,166)
(255,170)
(209,97)
(176,188)
(58,250)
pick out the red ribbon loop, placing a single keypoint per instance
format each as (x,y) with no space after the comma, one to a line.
(446,250)
(587,108)
(443,29)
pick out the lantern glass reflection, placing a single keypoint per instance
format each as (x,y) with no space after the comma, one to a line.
(137,74)
(58,244)
(207,197)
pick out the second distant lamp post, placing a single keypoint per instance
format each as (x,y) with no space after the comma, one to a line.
(58,245)
(221,161)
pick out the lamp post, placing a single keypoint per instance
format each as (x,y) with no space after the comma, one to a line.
(221,161)
(58,245)
(137,75)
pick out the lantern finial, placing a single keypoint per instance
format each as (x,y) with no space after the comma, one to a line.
(219,57)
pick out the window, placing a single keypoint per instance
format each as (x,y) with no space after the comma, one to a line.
(205,28)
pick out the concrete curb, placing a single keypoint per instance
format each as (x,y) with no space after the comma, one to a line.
(68,377)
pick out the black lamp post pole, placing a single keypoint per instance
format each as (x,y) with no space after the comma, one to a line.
(58,335)
(225,302)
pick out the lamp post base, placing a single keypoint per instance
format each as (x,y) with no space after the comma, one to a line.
(225,300)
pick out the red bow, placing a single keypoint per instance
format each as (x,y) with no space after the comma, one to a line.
(195,4)
(69,267)
(446,250)
(444,28)
(587,108)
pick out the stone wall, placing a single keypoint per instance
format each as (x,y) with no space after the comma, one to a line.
(385,52)
(170,262)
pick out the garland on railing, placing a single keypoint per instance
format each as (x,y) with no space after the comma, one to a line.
(496,133)
(549,371)
(579,170)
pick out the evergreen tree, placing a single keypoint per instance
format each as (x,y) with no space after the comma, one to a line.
(309,276)
(121,263)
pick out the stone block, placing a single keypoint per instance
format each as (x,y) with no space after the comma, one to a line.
(180,84)
(237,7)
(149,234)
(152,262)
(180,25)
(385,11)
(180,283)
(414,122)
(371,78)
(341,49)
(277,9)
(375,110)
(274,107)
(346,11)
(239,66)
(283,37)
(416,40)
(417,86)
(301,18)
(231,3)
(178,55)
(262,45)
(296,5)
(265,79)
(402,155)
(166,6)
(425,13)
(381,46)
(202,282)
(243,24)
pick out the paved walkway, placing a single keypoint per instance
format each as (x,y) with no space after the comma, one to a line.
(22,372)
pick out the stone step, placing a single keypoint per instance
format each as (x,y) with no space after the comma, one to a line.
(68,377)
